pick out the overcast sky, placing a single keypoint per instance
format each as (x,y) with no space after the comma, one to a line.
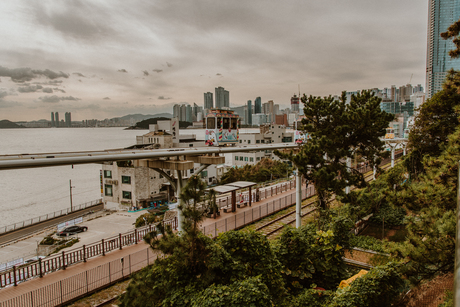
(101,59)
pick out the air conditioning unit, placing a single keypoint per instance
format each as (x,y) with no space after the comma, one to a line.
(110,181)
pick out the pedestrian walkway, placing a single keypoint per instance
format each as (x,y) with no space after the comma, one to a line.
(34,284)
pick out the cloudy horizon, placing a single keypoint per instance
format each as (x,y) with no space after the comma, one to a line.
(104,59)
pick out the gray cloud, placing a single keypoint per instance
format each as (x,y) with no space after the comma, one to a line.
(79,74)
(157,70)
(106,98)
(56,99)
(122,70)
(76,19)
(146,73)
(29,88)
(169,64)
(48,90)
(163,98)
(58,89)
(27,74)
(220,75)
(3,94)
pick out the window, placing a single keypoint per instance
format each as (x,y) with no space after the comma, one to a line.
(262,141)
(108,190)
(257,141)
(241,141)
(126,179)
(241,158)
(126,194)
(258,159)
(211,123)
(226,124)
(236,158)
(204,174)
(246,159)
(191,171)
(107,174)
(234,123)
(219,122)
(251,159)
(249,141)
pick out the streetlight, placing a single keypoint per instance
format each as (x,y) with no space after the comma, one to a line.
(70,185)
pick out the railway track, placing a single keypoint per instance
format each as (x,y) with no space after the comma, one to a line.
(273,227)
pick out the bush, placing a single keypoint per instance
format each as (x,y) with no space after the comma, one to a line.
(150,217)
(394,216)
(370,243)
(48,240)
(65,244)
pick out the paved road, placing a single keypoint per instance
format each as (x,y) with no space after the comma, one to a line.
(23,232)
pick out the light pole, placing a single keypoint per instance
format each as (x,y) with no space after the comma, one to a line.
(70,186)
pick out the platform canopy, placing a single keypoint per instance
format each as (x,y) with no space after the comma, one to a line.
(233,186)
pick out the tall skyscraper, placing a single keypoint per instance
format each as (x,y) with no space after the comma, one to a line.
(52,120)
(208,102)
(295,103)
(176,111)
(56,118)
(68,119)
(183,113)
(222,98)
(258,105)
(441,14)
(249,118)
(189,113)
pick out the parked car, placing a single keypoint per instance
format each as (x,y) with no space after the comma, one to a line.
(71,230)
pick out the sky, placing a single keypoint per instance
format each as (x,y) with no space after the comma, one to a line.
(103,59)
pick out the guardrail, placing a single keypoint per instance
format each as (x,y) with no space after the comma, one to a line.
(49,216)
(66,258)
(84,283)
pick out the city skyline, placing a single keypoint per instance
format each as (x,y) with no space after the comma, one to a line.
(106,59)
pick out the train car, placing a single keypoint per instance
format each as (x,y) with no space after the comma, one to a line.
(222,128)
(300,137)
(390,134)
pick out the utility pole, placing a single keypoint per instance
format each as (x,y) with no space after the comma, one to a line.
(70,186)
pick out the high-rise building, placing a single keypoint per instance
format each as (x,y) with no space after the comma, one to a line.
(441,14)
(52,120)
(222,98)
(295,103)
(258,105)
(176,111)
(249,118)
(68,119)
(56,118)
(183,113)
(188,113)
(208,101)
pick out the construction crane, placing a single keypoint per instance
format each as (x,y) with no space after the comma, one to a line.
(411,78)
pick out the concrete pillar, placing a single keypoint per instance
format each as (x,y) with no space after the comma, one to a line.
(404,150)
(347,189)
(392,156)
(180,216)
(298,199)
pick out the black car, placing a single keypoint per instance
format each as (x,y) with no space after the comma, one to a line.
(71,230)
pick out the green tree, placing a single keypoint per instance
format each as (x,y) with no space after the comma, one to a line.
(437,118)
(338,131)
(380,287)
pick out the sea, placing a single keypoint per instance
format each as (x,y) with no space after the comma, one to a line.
(30,193)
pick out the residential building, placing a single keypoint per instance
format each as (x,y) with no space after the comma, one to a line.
(208,101)
(441,14)
(249,112)
(222,98)
(258,105)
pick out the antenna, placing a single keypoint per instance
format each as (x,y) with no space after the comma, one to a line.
(411,78)
(299,90)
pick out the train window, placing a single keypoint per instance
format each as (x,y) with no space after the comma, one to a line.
(219,122)
(234,123)
(226,123)
(211,123)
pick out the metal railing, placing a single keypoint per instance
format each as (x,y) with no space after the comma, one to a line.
(84,283)
(66,258)
(49,216)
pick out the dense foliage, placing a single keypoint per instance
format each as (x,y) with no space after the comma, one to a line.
(266,169)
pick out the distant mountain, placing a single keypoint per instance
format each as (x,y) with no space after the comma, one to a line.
(139,117)
(4,124)
(151,121)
